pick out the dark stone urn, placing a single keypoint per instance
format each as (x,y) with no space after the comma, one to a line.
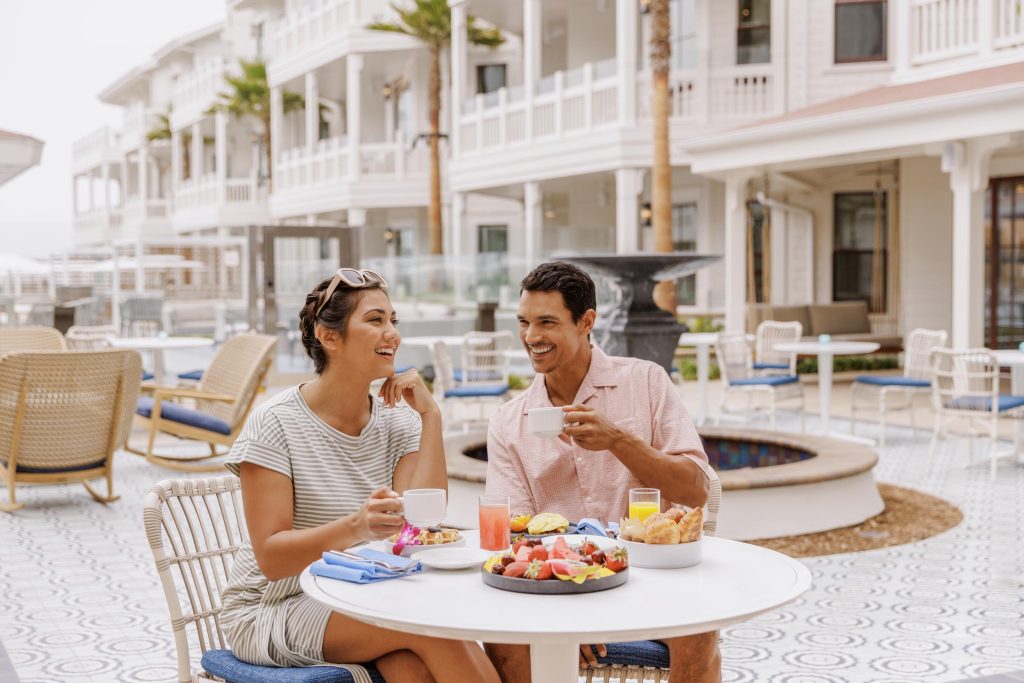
(636,327)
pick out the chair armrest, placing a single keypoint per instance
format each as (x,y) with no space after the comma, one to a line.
(175,392)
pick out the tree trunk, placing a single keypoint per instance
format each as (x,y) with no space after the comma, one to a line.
(266,152)
(661,171)
(434,207)
(186,157)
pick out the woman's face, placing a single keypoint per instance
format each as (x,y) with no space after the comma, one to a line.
(372,338)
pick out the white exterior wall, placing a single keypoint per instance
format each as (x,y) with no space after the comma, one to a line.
(926,219)
(590,32)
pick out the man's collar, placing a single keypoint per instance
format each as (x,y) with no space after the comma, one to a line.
(601,373)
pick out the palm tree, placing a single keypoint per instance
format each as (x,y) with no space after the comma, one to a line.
(249,95)
(661,170)
(431,22)
(162,131)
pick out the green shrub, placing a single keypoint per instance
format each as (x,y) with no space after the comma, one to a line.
(805,366)
(688,369)
(516,382)
(703,324)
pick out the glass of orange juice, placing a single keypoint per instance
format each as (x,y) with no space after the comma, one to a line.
(495,523)
(643,503)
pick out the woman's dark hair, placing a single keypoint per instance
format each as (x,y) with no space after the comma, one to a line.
(575,286)
(334,315)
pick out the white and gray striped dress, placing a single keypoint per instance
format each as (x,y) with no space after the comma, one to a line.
(273,623)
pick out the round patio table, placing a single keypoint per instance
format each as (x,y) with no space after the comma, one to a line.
(734,582)
(157,346)
(826,351)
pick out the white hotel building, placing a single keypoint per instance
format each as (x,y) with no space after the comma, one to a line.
(839,115)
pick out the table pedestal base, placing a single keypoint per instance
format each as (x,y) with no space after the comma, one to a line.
(555,662)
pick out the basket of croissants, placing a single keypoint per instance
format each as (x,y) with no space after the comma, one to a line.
(665,540)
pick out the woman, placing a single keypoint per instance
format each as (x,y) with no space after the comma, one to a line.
(320,466)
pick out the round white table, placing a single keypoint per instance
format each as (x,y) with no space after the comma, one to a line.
(826,352)
(735,582)
(157,346)
(703,341)
(1014,359)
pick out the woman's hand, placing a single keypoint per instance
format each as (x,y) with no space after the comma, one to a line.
(380,516)
(408,385)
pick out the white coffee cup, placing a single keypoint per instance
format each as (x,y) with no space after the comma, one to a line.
(424,507)
(545,421)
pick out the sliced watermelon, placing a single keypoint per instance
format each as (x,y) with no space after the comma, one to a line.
(560,550)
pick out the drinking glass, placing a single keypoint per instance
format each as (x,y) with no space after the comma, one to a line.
(495,529)
(643,503)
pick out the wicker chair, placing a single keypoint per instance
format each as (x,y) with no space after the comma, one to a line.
(223,399)
(735,362)
(141,316)
(90,337)
(768,361)
(647,660)
(62,417)
(449,394)
(194,528)
(31,338)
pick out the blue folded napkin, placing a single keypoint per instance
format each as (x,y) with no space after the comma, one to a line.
(591,526)
(336,566)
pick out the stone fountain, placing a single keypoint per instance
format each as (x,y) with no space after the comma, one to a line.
(636,326)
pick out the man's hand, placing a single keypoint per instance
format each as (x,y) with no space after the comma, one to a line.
(590,429)
(588,658)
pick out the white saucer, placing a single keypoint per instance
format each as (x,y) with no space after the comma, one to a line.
(452,558)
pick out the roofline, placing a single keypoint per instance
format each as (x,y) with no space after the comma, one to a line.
(110,93)
(176,44)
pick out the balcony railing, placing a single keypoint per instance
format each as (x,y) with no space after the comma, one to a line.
(329,162)
(207,191)
(196,90)
(95,147)
(321,21)
(138,121)
(135,210)
(947,29)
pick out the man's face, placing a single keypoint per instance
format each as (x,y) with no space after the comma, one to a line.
(547,331)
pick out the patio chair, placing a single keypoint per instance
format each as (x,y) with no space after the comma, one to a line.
(141,316)
(62,417)
(965,388)
(194,528)
(223,399)
(483,359)
(916,379)
(97,338)
(768,361)
(31,338)
(735,363)
(448,393)
(647,660)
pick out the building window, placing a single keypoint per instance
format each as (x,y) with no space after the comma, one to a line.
(860,31)
(861,220)
(490,78)
(684,239)
(754,32)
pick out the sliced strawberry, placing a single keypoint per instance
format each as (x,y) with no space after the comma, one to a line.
(539,552)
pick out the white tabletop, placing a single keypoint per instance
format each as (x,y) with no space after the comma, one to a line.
(735,582)
(834,347)
(697,338)
(160,343)
(1009,357)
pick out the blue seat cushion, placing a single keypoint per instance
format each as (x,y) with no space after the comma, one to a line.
(54,470)
(181,414)
(403,368)
(641,653)
(474,391)
(146,376)
(893,381)
(775,381)
(760,365)
(194,375)
(984,403)
(223,663)
(477,375)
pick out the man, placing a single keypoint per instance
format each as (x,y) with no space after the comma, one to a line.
(625,428)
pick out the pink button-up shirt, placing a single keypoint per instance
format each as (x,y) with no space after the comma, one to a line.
(549,475)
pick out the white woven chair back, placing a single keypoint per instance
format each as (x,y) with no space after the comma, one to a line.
(237,369)
(31,338)
(734,358)
(964,380)
(713,506)
(917,360)
(194,528)
(90,338)
(444,373)
(65,410)
(772,332)
(483,358)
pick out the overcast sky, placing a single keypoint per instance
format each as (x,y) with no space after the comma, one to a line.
(55,56)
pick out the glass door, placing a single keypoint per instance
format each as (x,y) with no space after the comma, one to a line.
(1004,263)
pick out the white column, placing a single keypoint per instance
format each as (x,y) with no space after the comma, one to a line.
(533,223)
(124,179)
(531,58)
(197,151)
(220,150)
(354,68)
(780,64)
(455,248)
(459,63)
(735,252)
(276,127)
(92,189)
(312,114)
(143,177)
(105,176)
(703,61)
(628,185)
(902,35)
(626,20)
(74,196)
(986,26)
(175,160)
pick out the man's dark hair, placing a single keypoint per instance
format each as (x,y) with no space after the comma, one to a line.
(575,286)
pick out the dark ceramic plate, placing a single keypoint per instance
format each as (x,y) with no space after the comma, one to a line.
(571,529)
(554,586)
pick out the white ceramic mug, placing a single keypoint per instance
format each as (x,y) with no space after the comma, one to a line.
(424,508)
(545,421)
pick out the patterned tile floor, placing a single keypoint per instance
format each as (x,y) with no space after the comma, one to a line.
(82,603)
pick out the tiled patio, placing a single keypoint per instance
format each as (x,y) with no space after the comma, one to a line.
(82,602)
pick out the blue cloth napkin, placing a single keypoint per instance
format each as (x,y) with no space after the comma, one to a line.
(335,566)
(591,526)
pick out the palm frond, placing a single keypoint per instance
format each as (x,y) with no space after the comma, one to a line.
(485,36)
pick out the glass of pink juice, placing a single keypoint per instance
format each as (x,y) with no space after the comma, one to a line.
(495,530)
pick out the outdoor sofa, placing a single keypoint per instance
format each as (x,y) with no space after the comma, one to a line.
(842,320)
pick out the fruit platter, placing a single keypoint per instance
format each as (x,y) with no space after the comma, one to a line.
(412,539)
(540,525)
(558,566)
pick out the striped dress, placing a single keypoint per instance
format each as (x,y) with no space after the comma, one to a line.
(273,623)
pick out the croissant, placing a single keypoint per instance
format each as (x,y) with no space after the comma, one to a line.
(675,514)
(654,518)
(662,532)
(691,526)
(631,530)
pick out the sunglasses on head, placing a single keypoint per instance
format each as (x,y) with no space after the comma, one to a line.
(354,279)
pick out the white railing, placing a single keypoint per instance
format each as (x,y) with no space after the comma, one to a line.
(98,220)
(207,191)
(682,93)
(1009,17)
(947,29)
(329,162)
(321,21)
(135,210)
(138,121)
(742,92)
(95,146)
(196,90)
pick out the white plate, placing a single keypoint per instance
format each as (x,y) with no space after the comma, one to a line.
(449,557)
(409,550)
(655,556)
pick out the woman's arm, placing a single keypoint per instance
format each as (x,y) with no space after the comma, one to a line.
(282,551)
(425,468)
